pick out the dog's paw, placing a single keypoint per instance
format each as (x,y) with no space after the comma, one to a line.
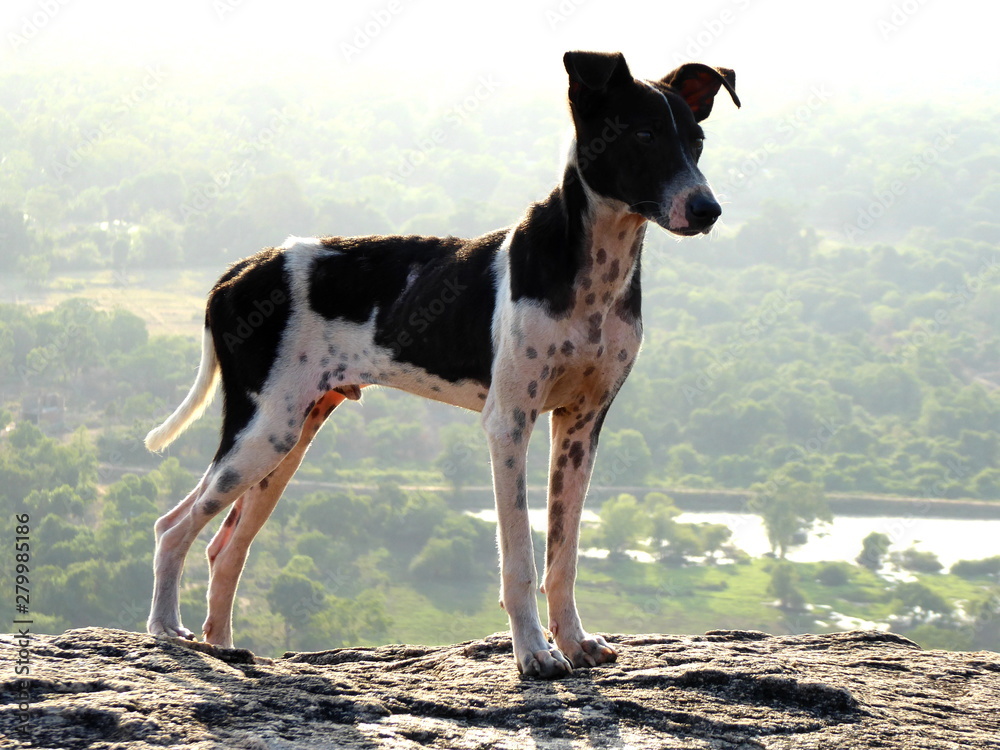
(173,631)
(547,664)
(591,651)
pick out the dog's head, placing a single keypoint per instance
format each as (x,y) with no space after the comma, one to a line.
(639,142)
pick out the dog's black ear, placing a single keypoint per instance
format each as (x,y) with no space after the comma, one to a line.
(698,84)
(593,72)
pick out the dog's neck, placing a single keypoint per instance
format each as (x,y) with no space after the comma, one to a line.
(611,242)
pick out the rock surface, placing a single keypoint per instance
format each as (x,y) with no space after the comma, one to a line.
(98,688)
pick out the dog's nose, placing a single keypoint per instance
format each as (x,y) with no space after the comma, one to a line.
(703,210)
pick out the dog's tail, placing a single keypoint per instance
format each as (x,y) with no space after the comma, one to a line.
(193,405)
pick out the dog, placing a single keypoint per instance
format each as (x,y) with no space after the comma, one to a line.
(540,317)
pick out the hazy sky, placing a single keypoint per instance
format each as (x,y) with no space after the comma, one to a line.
(917,47)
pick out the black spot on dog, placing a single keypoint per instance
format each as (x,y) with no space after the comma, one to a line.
(481,396)
(606,298)
(600,351)
(586,283)
(601,257)
(555,524)
(534,415)
(552,350)
(324,382)
(565,442)
(264,483)
(436,388)
(227,480)
(545,373)
(622,355)
(309,409)
(613,270)
(530,351)
(590,298)
(509,463)
(557,483)
(533,388)
(282,444)
(589,371)
(621,236)
(562,461)
(576,453)
(520,420)
(303,358)
(567,348)
(522,495)
(329,410)
(211,507)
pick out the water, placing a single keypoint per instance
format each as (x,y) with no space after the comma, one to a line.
(950,539)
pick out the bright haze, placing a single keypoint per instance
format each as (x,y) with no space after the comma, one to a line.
(779,48)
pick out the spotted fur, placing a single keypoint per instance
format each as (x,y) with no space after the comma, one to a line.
(512,324)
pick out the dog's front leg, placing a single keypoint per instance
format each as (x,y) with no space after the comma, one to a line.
(574,442)
(508,423)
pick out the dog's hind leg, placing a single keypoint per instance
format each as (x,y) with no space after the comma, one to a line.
(255,451)
(574,443)
(227,552)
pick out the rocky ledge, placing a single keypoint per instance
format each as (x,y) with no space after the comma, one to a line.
(98,688)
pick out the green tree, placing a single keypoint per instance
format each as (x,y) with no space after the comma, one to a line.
(784,586)
(788,509)
(623,524)
(874,548)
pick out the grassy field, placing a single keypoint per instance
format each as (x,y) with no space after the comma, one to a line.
(171,301)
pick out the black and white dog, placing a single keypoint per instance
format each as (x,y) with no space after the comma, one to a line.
(540,317)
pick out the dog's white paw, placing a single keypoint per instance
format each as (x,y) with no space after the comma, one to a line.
(546,664)
(174,631)
(590,651)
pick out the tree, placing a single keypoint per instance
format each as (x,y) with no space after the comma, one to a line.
(295,598)
(919,561)
(874,548)
(788,509)
(623,524)
(463,459)
(783,585)
(919,603)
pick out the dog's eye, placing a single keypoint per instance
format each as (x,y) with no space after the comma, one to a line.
(644,136)
(699,146)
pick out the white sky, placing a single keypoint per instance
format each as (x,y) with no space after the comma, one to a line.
(920,48)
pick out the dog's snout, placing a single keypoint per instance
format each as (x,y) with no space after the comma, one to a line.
(703,210)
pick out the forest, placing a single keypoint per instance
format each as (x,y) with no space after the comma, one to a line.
(837,334)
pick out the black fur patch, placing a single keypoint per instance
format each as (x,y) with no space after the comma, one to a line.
(227,480)
(247,314)
(430,292)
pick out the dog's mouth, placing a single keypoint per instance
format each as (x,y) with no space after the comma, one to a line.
(689,231)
